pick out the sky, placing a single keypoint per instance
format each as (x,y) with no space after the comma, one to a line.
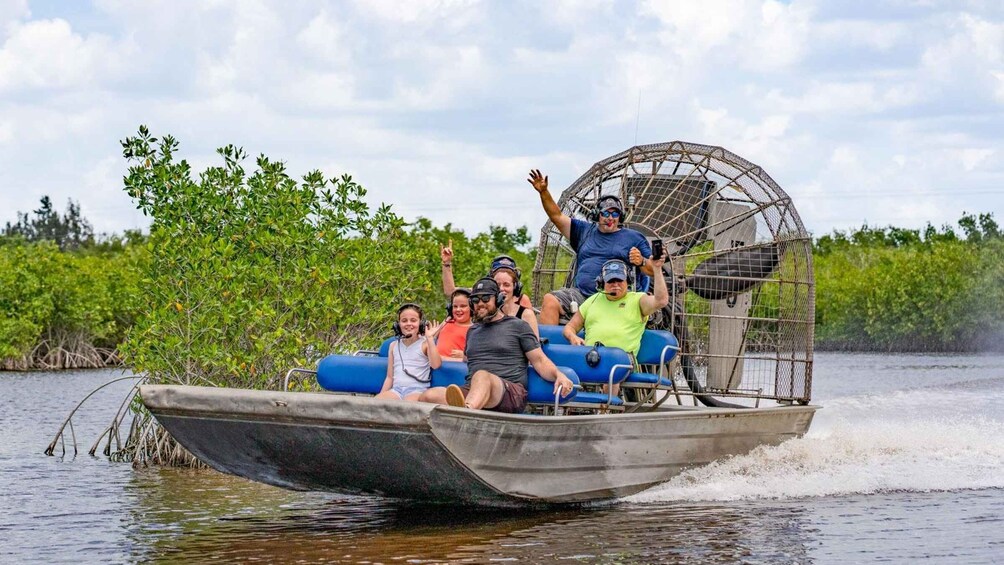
(877,112)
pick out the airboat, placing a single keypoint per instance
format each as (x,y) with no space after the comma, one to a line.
(725,368)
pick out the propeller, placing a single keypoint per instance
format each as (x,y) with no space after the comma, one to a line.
(733,272)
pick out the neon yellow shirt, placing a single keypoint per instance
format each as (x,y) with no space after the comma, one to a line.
(614,323)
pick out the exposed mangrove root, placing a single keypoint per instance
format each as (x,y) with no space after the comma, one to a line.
(150,444)
(146,444)
(69,419)
(63,350)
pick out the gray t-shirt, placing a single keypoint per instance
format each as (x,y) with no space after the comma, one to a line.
(500,348)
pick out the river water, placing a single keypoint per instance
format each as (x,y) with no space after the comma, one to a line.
(905,462)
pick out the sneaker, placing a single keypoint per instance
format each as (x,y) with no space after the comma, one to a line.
(455,396)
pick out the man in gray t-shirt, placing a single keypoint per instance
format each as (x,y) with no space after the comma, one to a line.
(499,347)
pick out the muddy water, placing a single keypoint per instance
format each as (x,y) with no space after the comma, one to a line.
(905,462)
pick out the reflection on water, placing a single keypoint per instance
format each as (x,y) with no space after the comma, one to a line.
(924,435)
(205,515)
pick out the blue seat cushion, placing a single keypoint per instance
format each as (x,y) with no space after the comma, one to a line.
(366,374)
(450,373)
(541,391)
(351,373)
(574,357)
(647,379)
(653,343)
(598,398)
(553,333)
(385,346)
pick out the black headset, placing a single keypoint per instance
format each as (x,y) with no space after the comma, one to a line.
(421,319)
(629,271)
(594,214)
(517,285)
(499,296)
(593,355)
(449,304)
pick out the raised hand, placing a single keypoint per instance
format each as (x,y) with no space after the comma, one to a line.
(446,253)
(658,261)
(537,180)
(433,329)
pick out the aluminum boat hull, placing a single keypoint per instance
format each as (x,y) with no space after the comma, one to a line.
(417,451)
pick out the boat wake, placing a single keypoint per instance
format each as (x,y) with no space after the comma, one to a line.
(861,447)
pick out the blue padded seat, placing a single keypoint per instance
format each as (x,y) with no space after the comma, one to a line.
(649,379)
(541,391)
(449,373)
(614,367)
(657,347)
(574,357)
(553,334)
(385,346)
(352,373)
(598,398)
(365,375)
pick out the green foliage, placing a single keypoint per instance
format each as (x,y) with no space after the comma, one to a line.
(895,290)
(251,274)
(57,309)
(68,231)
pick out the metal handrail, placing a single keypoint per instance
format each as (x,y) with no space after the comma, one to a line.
(285,382)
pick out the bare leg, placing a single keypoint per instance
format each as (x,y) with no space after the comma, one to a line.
(389,394)
(550,310)
(486,391)
(436,395)
(413,397)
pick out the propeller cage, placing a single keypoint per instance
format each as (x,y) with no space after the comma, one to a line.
(742,290)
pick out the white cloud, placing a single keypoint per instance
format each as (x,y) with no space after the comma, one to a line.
(974,49)
(972,158)
(12,11)
(763,36)
(324,38)
(440,107)
(452,14)
(46,54)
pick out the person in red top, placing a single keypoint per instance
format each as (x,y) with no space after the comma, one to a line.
(453,336)
(505,272)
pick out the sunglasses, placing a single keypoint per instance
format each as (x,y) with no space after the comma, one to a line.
(610,214)
(480,298)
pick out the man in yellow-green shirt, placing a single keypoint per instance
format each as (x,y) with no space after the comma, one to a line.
(614,316)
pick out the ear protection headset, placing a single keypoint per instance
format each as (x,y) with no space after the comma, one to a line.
(507,262)
(629,271)
(449,305)
(594,214)
(421,319)
(499,295)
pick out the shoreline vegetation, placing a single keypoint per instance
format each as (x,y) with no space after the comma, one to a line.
(242,275)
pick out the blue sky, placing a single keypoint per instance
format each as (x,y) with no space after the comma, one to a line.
(889,113)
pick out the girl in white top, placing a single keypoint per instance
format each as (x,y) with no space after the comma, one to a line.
(412,356)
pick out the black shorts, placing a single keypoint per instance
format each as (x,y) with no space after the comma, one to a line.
(513,398)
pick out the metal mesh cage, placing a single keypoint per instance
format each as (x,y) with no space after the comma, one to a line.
(740,269)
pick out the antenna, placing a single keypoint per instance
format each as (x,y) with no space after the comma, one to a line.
(637,118)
